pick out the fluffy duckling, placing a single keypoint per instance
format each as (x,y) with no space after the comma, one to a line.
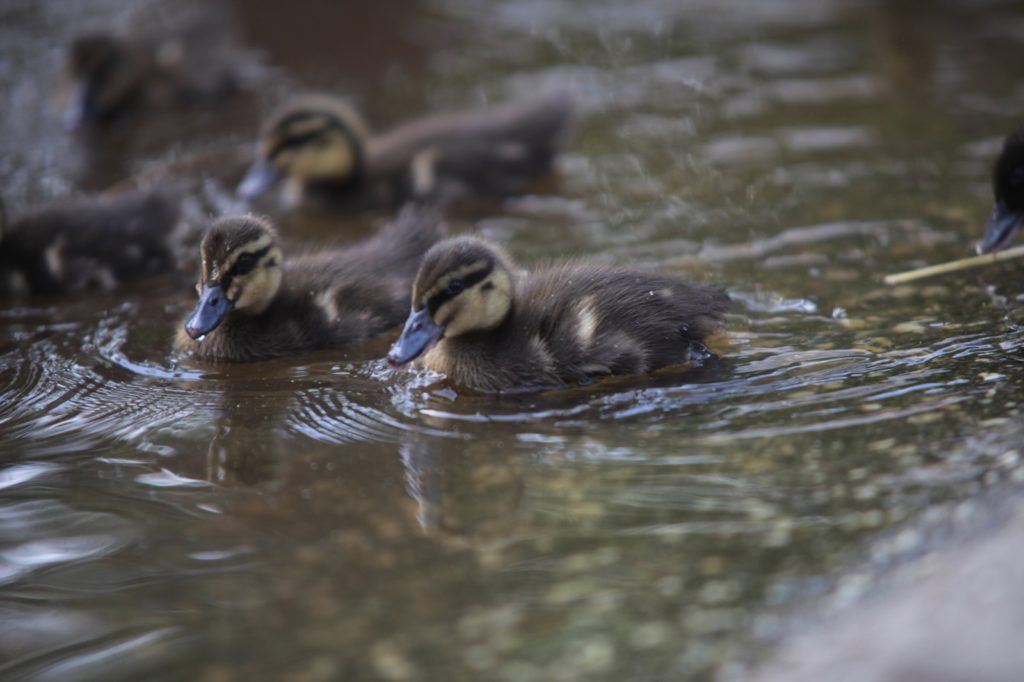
(1008,187)
(324,151)
(491,327)
(88,244)
(108,75)
(254,305)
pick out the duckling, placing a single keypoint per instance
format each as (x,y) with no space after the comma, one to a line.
(324,151)
(253,305)
(491,327)
(1008,187)
(88,244)
(108,75)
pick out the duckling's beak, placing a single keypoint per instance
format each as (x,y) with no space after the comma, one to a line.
(213,306)
(81,109)
(419,336)
(1002,227)
(261,177)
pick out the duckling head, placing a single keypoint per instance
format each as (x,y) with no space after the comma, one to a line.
(1008,185)
(464,285)
(240,271)
(315,138)
(102,79)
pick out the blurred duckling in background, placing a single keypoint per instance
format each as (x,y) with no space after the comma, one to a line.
(88,244)
(255,305)
(491,327)
(323,150)
(1008,187)
(108,76)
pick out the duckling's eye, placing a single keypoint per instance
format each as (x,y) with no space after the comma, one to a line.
(455,286)
(245,263)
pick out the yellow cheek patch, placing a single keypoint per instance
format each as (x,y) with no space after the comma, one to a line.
(330,157)
(445,314)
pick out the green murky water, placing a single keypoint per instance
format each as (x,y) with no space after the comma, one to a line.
(325,517)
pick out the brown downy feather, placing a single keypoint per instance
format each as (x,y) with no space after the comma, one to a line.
(326,299)
(88,244)
(565,324)
(108,75)
(493,152)
(442,159)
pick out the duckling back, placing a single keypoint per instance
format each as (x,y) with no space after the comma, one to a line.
(572,323)
(601,321)
(489,153)
(88,244)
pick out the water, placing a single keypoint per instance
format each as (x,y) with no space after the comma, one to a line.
(327,517)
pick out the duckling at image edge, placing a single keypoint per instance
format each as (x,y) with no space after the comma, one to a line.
(323,150)
(254,305)
(88,244)
(1008,187)
(108,75)
(490,327)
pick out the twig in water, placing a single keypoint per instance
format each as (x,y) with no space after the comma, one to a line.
(954,266)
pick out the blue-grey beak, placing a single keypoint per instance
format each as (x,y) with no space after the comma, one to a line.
(213,306)
(261,177)
(81,109)
(419,335)
(1002,227)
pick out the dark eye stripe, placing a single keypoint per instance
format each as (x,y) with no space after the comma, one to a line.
(293,141)
(225,281)
(469,281)
(329,124)
(323,124)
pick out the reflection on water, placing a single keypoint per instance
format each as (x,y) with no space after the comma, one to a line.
(327,517)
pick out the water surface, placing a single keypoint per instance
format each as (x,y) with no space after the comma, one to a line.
(326,517)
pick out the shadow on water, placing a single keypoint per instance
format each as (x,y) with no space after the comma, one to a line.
(327,517)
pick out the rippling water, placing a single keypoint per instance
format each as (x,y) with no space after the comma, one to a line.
(326,517)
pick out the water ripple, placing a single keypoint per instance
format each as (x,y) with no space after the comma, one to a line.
(42,533)
(801,391)
(23,473)
(329,415)
(97,396)
(123,654)
(169,479)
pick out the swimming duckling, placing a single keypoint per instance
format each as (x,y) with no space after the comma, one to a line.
(324,151)
(1008,187)
(254,305)
(88,244)
(108,75)
(490,327)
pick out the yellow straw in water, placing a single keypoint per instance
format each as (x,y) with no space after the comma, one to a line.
(953,266)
